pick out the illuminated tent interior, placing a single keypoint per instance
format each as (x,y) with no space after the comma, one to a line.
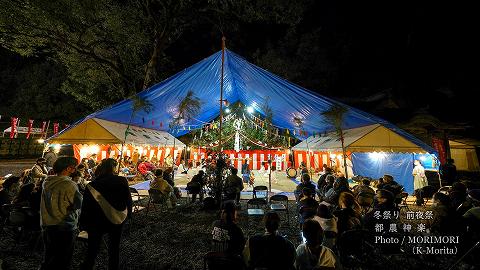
(374,150)
(465,155)
(111,135)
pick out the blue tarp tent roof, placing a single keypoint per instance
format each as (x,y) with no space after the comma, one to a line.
(243,82)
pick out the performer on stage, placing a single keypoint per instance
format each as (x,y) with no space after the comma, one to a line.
(246,172)
(419,181)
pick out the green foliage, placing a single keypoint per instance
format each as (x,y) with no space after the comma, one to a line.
(187,109)
(334,117)
(252,135)
(109,50)
(101,44)
(37,96)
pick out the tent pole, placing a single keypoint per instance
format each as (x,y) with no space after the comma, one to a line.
(221,96)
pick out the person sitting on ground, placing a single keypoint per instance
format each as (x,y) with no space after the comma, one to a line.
(341,185)
(233,186)
(39,171)
(164,187)
(195,185)
(328,222)
(307,206)
(312,254)
(444,218)
(270,250)
(227,236)
(348,214)
(306,183)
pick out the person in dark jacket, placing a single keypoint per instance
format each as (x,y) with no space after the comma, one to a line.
(227,236)
(107,203)
(306,183)
(271,250)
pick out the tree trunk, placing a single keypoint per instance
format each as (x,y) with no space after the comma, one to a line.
(151,69)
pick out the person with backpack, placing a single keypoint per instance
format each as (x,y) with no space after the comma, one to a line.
(107,204)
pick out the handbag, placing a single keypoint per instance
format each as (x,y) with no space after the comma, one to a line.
(113,215)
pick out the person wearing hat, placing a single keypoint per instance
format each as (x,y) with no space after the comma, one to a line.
(39,171)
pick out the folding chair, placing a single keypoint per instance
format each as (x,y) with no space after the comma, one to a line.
(365,200)
(445,190)
(427,193)
(258,203)
(404,204)
(155,197)
(280,203)
(136,199)
(260,192)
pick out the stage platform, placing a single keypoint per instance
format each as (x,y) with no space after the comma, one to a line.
(281,184)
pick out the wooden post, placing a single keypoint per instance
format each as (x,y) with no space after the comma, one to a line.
(221,96)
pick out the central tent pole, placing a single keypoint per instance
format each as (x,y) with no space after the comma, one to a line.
(221,95)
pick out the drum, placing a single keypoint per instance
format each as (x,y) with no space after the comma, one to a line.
(291,172)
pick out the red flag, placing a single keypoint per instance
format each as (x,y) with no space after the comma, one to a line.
(439,145)
(30,125)
(161,124)
(55,128)
(13,127)
(44,125)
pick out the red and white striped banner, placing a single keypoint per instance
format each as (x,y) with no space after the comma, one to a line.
(255,158)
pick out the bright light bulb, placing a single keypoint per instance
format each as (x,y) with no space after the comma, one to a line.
(227,110)
(40,140)
(250,109)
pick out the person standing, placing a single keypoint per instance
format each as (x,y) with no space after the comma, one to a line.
(39,171)
(246,172)
(50,157)
(419,181)
(448,172)
(107,203)
(59,205)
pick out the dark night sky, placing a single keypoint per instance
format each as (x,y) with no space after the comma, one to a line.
(423,55)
